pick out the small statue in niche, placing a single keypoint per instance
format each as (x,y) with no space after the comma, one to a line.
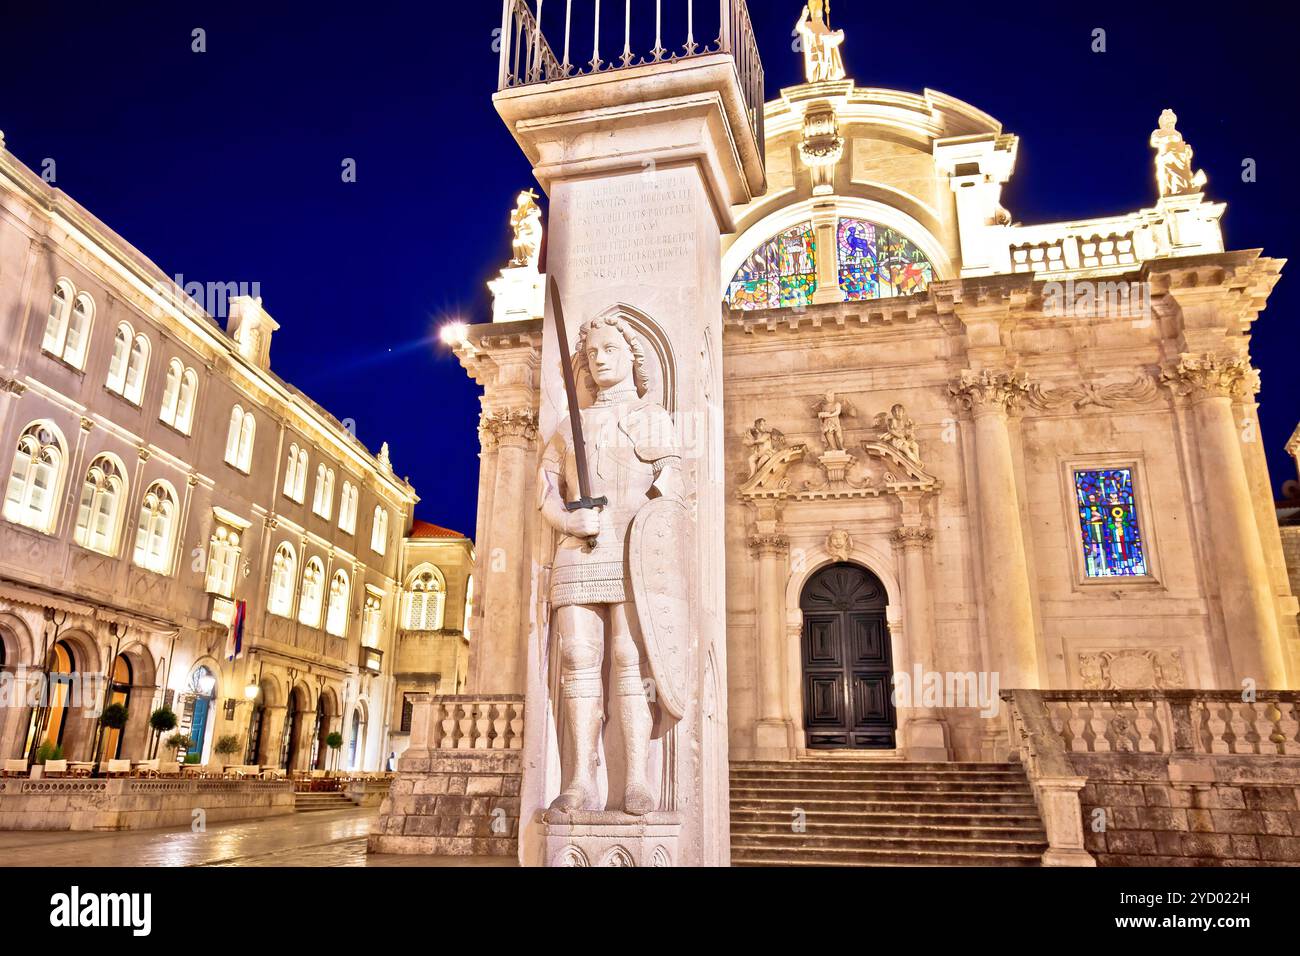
(763,442)
(526,221)
(829,410)
(1174,174)
(899,432)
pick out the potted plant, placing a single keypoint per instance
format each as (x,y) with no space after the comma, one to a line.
(334,741)
(161,720)
(179,742)
(114,717)
(227,745)
(46,751)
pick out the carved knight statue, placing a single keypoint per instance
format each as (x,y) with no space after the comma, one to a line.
(1174,174)
(526,221)
(599,592)
(821,44)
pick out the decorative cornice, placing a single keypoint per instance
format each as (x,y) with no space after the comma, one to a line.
(1211,376)
(762,544)
(494,426)
(1139,390)
(989,390)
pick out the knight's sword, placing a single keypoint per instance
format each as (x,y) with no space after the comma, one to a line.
(575,416)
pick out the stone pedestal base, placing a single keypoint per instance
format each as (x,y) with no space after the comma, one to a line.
(612,838)
(773,740)
(837,465)
(517,294)
(925,738)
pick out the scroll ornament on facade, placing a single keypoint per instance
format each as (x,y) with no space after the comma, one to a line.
(1174,173)
(1211,376)
(1139,390)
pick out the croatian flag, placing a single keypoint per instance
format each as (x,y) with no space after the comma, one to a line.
(235,642)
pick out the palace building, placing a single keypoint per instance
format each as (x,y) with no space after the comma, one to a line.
(988,492)
(190,530)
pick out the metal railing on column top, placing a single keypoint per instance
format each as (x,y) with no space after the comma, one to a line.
(527,57)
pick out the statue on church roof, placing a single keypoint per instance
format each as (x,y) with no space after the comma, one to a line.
(821,44)
(384,460)
(1174,174)
(526,221)
(828,410)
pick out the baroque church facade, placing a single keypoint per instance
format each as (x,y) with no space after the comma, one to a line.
(961,457)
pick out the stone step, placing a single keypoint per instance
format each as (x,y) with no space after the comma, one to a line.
(801,843)
(893,773)
(858,858)
(895,829)
(879,795)
(881,766)
(306,802)
(855,786)
(910,817)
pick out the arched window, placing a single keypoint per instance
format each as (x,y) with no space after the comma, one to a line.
(223,560)
(336,618)
(877,262)
(239,439)
(780,273)
(348,508)
(99,513)
(312,594)
(119,693)
(171,392)
(35,478)
(379,531)
(371,619)
(136,366)
(284,570)
(121,356)
(469,606)
(300,478)
(56,325)
(155,535)
(185,402)
(83,313)
(426,600)
(323,499)
(291,472)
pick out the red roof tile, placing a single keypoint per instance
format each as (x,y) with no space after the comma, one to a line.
(424,529)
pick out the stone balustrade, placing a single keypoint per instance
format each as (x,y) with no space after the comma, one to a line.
(466,722)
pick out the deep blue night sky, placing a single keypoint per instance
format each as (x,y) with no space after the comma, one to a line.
(225,166)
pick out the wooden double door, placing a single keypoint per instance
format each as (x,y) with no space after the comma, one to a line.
(847,664)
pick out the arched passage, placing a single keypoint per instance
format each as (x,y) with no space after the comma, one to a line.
(846,660)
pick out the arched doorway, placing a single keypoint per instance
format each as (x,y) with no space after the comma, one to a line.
(51,720)
(292,720)
(257,751)
(847,664)
(198,711)
(357,746)
(119,692)
(327,709)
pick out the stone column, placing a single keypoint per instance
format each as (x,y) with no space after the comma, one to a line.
(500,651)
(773,729)
(925,735)
(1008,609)
(1211,383)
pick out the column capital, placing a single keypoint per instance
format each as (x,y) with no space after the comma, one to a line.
(988,390)
(911,536)
(1208,375)
(507,426)
(768,544)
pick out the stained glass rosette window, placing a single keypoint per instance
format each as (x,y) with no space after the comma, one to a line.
(1112,542)
(877,262)
(780,273)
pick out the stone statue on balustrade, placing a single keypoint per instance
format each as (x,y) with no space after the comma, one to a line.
(1174,173)
(618,593)
(821,45)
(526,221)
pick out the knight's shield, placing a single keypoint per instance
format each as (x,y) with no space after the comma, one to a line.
(658,552)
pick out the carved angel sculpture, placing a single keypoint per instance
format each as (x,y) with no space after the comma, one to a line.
(763,442)
(828,410)
(899,432)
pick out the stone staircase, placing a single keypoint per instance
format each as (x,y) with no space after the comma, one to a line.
(306,801)
(883,813)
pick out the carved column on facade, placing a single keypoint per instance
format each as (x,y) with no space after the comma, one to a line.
(1212,383)
(772,730)
(512,434)
(989,395)
(925,733)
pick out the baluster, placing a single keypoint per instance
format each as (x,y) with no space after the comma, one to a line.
(690,26)
(535,55)
(1078,727)
(627,32)
(1240,723)
(1288,728)
(516,725)
(499,726)
(568,19)
(448,740)
(483,724)
(465,728)
(1148,729)
(1096,729)
(595,41)
(1216,727)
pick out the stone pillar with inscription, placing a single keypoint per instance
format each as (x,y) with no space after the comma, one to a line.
(641,167)
(988,395)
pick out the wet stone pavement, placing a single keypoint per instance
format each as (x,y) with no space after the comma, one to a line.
(325,838)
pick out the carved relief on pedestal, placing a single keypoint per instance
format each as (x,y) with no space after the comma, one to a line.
(989,389)
(1131,669)
(507,423)
(1211,376)
(1139,390)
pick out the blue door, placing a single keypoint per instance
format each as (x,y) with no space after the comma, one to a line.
(199,726)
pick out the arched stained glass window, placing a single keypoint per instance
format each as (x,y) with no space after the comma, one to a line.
(1112,542)
(877,262)
(781,272)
